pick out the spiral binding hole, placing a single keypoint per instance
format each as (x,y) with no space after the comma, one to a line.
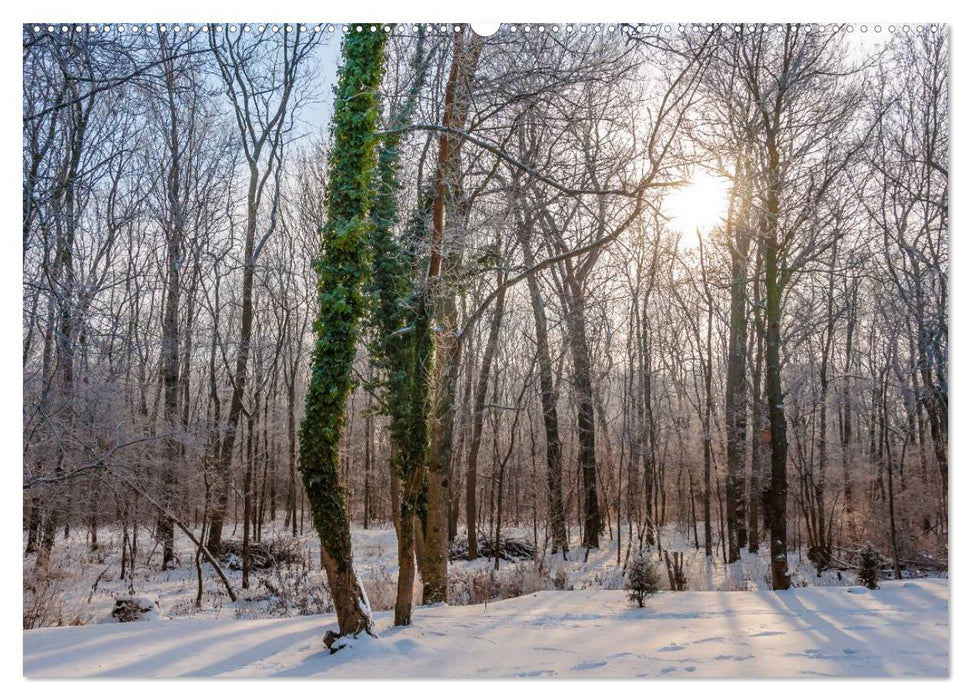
(612,29)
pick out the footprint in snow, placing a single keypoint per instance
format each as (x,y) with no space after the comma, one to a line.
(671,647)
(536,674)
(689,669)
(668,669)
(587,665)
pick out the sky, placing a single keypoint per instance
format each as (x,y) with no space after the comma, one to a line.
(864,38)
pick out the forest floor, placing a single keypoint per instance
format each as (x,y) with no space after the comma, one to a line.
(898,630)
(509,623)
(80,586)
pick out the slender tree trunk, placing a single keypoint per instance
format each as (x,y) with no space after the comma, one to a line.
(649,431)
(583,388)
(368,457)
(735,386)
(822,553)
(223,475)
(773,382)
(706,420)
(888,456)
(482,386)
(178,122)
(442,271)
(846,414)
(548,398)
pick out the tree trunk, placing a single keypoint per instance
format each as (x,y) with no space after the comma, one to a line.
(442,271)
(773,382)
(223,475)
(548,398)
(735,400)
(583,388)
(482,386)
(170,359)
(706,420)
(757,511)
(341,272)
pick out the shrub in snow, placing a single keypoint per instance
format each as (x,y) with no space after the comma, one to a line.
(607,578)
(291,586)
(281,550)
(643,580)
(381,588)
(472,586)
(475,586)
(131,608)
(871,564)
(44,588)
(519,580)
(511,549)
(296,588)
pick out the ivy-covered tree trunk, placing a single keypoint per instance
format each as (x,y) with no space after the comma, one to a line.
(341,271)
(401,348)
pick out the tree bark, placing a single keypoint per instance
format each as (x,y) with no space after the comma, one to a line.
(548,397)
(442,271)
(773,380)
(482,386)
(341,272)
(583,388)
(735,386)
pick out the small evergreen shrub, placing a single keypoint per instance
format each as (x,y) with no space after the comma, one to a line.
(643,580)
(871,565)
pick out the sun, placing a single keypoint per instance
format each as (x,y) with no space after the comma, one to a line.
(700,205)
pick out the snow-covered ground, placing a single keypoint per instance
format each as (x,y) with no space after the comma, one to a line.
(899,630)
(84,584)
(727,624)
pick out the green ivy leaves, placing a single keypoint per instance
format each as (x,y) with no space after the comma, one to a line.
(341,270)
